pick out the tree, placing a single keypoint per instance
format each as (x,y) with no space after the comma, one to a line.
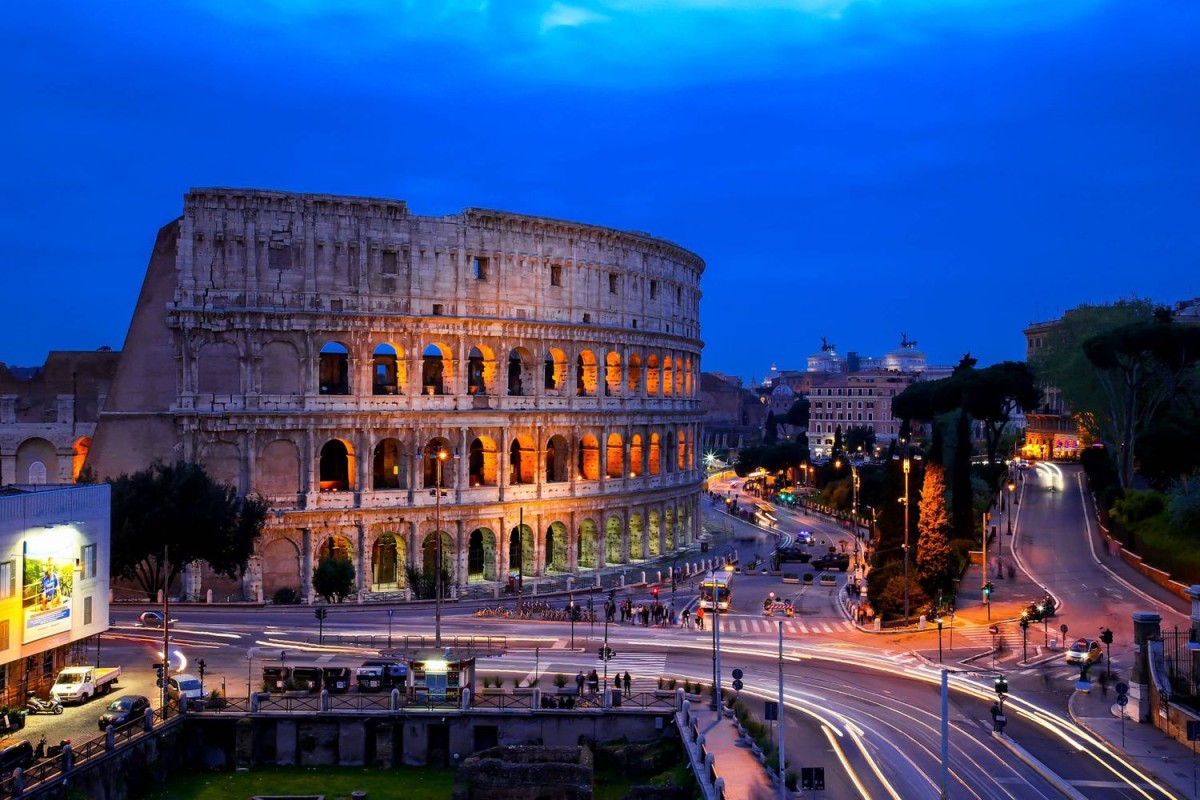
(180,507)
(838,446)
(992,394)
(860,437)
(770,429)
(797,415)
(933,526)
(333,578)
(1140,367)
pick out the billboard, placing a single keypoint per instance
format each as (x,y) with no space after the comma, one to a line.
(46,584)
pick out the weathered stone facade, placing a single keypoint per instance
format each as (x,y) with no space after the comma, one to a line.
(322,351)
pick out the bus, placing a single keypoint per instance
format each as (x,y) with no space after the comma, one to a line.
(764,515)
(718,585)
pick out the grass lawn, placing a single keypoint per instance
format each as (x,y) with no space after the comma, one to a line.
(410,783)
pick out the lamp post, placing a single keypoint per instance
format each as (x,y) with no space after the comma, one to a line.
(442,455)
(1011,486)
(1025,637)
(716,703)
(391,611)
(939,623)
(571,614)
(1045,625)
(907,470)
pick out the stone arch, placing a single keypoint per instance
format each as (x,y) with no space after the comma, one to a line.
(652,375)
(37,463)
(585,374)
(612,374)
(218,369)
(589,458)
(520,372)
(689,385)
(634,373)
(614,456)
(481,555)
(280,565)
(668,381)
(520,550)
(437,369)
(388,370)
(334,369)
(555,371)
(653,535)
(481,370)
(437,450)
(279,468)
(637,538)
(79,454)
(558,453)
(279,369)
(655,462)
(387,465)
(481,462)
(556,548)
(588,545)
(681,451)
(388,558)
(522,460)
(679,376)
(613,534)
(669,527)
(223,462)
(429,558)
(336,468)
(334,546)
(636,456)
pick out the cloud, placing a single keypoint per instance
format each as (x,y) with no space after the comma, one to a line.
(561,15)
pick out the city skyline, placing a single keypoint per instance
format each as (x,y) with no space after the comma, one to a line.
(980,165)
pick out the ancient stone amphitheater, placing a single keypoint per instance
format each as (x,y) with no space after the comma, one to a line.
(340,356)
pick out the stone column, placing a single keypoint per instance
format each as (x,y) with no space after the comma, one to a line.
(1145,627)
(360,559)
(306,565)
(461,546)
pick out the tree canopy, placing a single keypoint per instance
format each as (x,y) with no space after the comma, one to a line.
(180,507)
(333,578)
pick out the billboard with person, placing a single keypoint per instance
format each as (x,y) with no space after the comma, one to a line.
(47,584)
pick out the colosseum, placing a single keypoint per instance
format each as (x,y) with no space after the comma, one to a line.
(342,358)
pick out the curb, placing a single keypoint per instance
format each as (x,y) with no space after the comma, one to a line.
(1041,769)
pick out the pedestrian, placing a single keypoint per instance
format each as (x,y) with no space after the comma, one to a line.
(645,616)
(700,618)
(594,681)
(627,683)
(687,618)
(579,679)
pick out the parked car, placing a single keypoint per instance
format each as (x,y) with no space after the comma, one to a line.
(150,619)
(1084,651)
(839,561)
(184,685)
(15,753)
(124,710)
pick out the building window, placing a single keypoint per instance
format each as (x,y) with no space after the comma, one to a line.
(87,610)
(555,275)
(48,664)
(438,309)
(8,579)
(3,637)
(587,317)
(612,283)
(479,268)
(653,289)
(88,557)
(388,265)
(678,294)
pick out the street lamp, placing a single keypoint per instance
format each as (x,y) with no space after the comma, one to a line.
(571,614)
(1011,486)
(907,470)
(1024,637)
(939,623)
(442,455)
(716,704)
(391,611)
(1045,625)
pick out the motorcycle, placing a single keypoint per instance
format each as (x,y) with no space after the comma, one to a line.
(42,751)
(37,705)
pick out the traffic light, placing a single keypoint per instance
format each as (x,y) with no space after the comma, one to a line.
(1106,635)
(1024,621)
(158,671)
(654,592)
(988,588)
(1001,685)
(320,612)
(606,653)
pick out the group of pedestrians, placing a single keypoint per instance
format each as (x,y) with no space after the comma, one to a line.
(685,618)
(592,681)
(644,614)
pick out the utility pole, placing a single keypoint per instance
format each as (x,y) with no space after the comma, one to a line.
(907,469)
(166,630)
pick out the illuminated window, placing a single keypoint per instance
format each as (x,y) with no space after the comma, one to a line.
(8,580)
(88,558)
(3,646)
(87,610)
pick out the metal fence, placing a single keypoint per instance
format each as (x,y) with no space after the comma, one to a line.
(1181,652)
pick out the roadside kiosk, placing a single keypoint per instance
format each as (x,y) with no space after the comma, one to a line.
(438,677)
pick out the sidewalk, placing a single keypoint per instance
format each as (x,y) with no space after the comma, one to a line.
(734,762)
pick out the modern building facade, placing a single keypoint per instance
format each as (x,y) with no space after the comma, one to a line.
(343,357)
(54,583)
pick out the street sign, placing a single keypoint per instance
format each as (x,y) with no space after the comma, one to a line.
(1123,700)
(812,779)
(1122,688)
(738,674)
(771,712)
(994,629)
(1063,628)
(1193,731)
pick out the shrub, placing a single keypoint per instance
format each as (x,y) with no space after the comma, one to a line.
(285,596)
(560,680)
(671,684)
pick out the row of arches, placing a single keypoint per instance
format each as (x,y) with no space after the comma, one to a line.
(487,555)
(479,459)
(36,461)
(439,370)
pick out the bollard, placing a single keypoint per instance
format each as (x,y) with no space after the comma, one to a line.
(325,699)
(407,594)
(110,738)
(394,704)
(643,580)
(254,702)
(608,697)
(148,719)
(208,597)
(536,698)
(18,782)
(495,592)
(466,699)
(598,586)
(68,755)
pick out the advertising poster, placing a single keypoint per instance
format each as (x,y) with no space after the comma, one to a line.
(46,586)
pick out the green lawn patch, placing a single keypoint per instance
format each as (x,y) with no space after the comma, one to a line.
(411,783)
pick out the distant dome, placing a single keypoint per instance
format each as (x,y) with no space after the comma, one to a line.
(782,390)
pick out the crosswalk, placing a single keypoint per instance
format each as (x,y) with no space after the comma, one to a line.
(790,626)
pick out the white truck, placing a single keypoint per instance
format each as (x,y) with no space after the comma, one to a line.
(80,684)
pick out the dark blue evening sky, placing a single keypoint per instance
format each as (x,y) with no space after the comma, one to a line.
(954,169)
